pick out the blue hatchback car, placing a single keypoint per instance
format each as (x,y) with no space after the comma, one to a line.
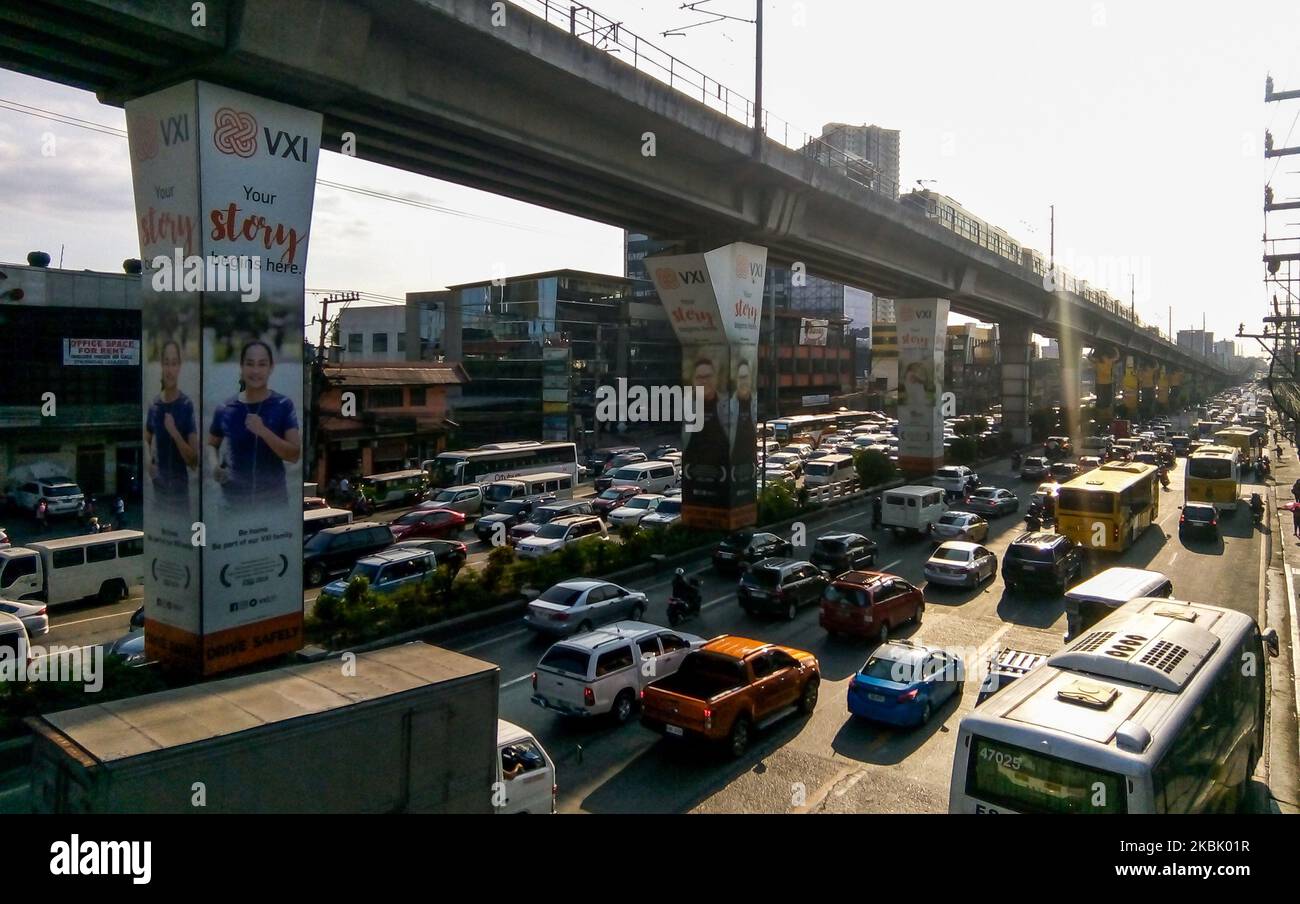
(903,683)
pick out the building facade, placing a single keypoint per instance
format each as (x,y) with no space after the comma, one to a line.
(376,418)
(877,147)
(73,342)
(1199,341)
(373,334)
(972,367)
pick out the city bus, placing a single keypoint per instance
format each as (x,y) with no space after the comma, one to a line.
(1149,711)
(1108,508)
(785,429)
(1214,476)
(1245,440)
(500,461)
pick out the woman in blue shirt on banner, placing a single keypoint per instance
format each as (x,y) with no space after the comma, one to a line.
(253,434)
(171,433)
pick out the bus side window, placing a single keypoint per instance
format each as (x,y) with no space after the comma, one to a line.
(566,484)
(101,552)
(135,547)
(68,558)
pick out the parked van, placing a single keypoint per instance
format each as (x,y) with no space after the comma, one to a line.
(394,488)
(828,469)
(528,488)
(525,772)
(13,636)
(316,520)
(1099,596)
(650,476)
(64,571)
(911,509)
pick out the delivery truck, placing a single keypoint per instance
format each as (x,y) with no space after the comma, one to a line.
(407,729)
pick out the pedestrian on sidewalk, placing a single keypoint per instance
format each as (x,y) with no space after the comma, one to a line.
(1295,489)
(1295,521)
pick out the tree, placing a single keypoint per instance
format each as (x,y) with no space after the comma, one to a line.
(874,468)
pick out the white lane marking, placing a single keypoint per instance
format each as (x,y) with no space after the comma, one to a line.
(82,621)
(891,565)
(1173,558)
(515,681)
(491,640)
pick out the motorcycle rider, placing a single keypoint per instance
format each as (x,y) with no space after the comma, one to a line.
(1256,506)
(682,588)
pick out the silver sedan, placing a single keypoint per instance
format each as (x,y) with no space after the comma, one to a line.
(959,526)
(963,564)
(34,616)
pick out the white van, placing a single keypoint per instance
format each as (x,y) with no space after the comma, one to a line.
(62,571)
(911,509)
(828,469)
(650,476)
(549,485)
(316,520)
(525,773)
(13,636)
(1099,596)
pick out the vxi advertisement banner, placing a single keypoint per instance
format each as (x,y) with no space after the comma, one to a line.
(224,184)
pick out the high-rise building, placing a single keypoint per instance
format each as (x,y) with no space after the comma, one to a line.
(872,144)
(1199,341)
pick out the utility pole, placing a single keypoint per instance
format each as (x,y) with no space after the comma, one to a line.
(757,22)
(319,381)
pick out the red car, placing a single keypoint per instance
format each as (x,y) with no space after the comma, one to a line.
(437,524)
(869,604)
(614,497)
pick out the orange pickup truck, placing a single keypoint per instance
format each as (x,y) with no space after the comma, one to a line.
(728,688)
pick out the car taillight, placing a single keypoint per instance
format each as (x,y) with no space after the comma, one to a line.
(462,548)
(42,610)
(907,696)
(561,616)
(1182,518)
(588,696)
(642,693)
(708,718)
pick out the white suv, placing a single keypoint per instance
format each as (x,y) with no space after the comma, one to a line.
(62,496)
(555,535)
(603,671)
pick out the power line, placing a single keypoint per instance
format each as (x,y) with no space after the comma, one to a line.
(115,132)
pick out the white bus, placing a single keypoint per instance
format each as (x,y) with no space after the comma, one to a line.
(105,565)
(501,461)
(1158,708)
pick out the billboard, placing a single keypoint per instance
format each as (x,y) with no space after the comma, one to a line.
(922,330)
(714,301)
(98,352)
(222,178)
(813,332)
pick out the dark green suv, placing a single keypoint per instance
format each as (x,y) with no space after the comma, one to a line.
(780,587)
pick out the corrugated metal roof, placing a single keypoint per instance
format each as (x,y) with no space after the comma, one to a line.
(125,728)
(414,374)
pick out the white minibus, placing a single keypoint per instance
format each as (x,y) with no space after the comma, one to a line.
(1159,708)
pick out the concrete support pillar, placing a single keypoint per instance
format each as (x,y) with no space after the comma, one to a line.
(1071,358)
(1015,338)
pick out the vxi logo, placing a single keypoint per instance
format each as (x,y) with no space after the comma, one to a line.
(235,132)
(666,404)
(102,858)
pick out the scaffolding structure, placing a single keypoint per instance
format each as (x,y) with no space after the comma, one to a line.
(1281,334)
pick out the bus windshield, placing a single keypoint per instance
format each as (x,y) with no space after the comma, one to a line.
(446,470)
(1030,782)
(1076,500)
(1210,468)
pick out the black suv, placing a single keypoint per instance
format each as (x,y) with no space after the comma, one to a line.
(840,552)
(780,587)
(508,514)
(335,550)
(1199,518)
(1042,559)
(747,547)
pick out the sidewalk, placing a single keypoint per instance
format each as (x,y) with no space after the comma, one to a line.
(1279,582)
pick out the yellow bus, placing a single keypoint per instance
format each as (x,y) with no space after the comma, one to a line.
(1244,439)
(1214,476)
(1109,507)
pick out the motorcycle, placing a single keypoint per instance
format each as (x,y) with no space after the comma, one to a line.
(361,507)
(1164,480)
(680,609)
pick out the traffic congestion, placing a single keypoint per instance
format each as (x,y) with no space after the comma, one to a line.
(852,642)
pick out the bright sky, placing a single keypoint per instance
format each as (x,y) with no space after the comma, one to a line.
(1142,123)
